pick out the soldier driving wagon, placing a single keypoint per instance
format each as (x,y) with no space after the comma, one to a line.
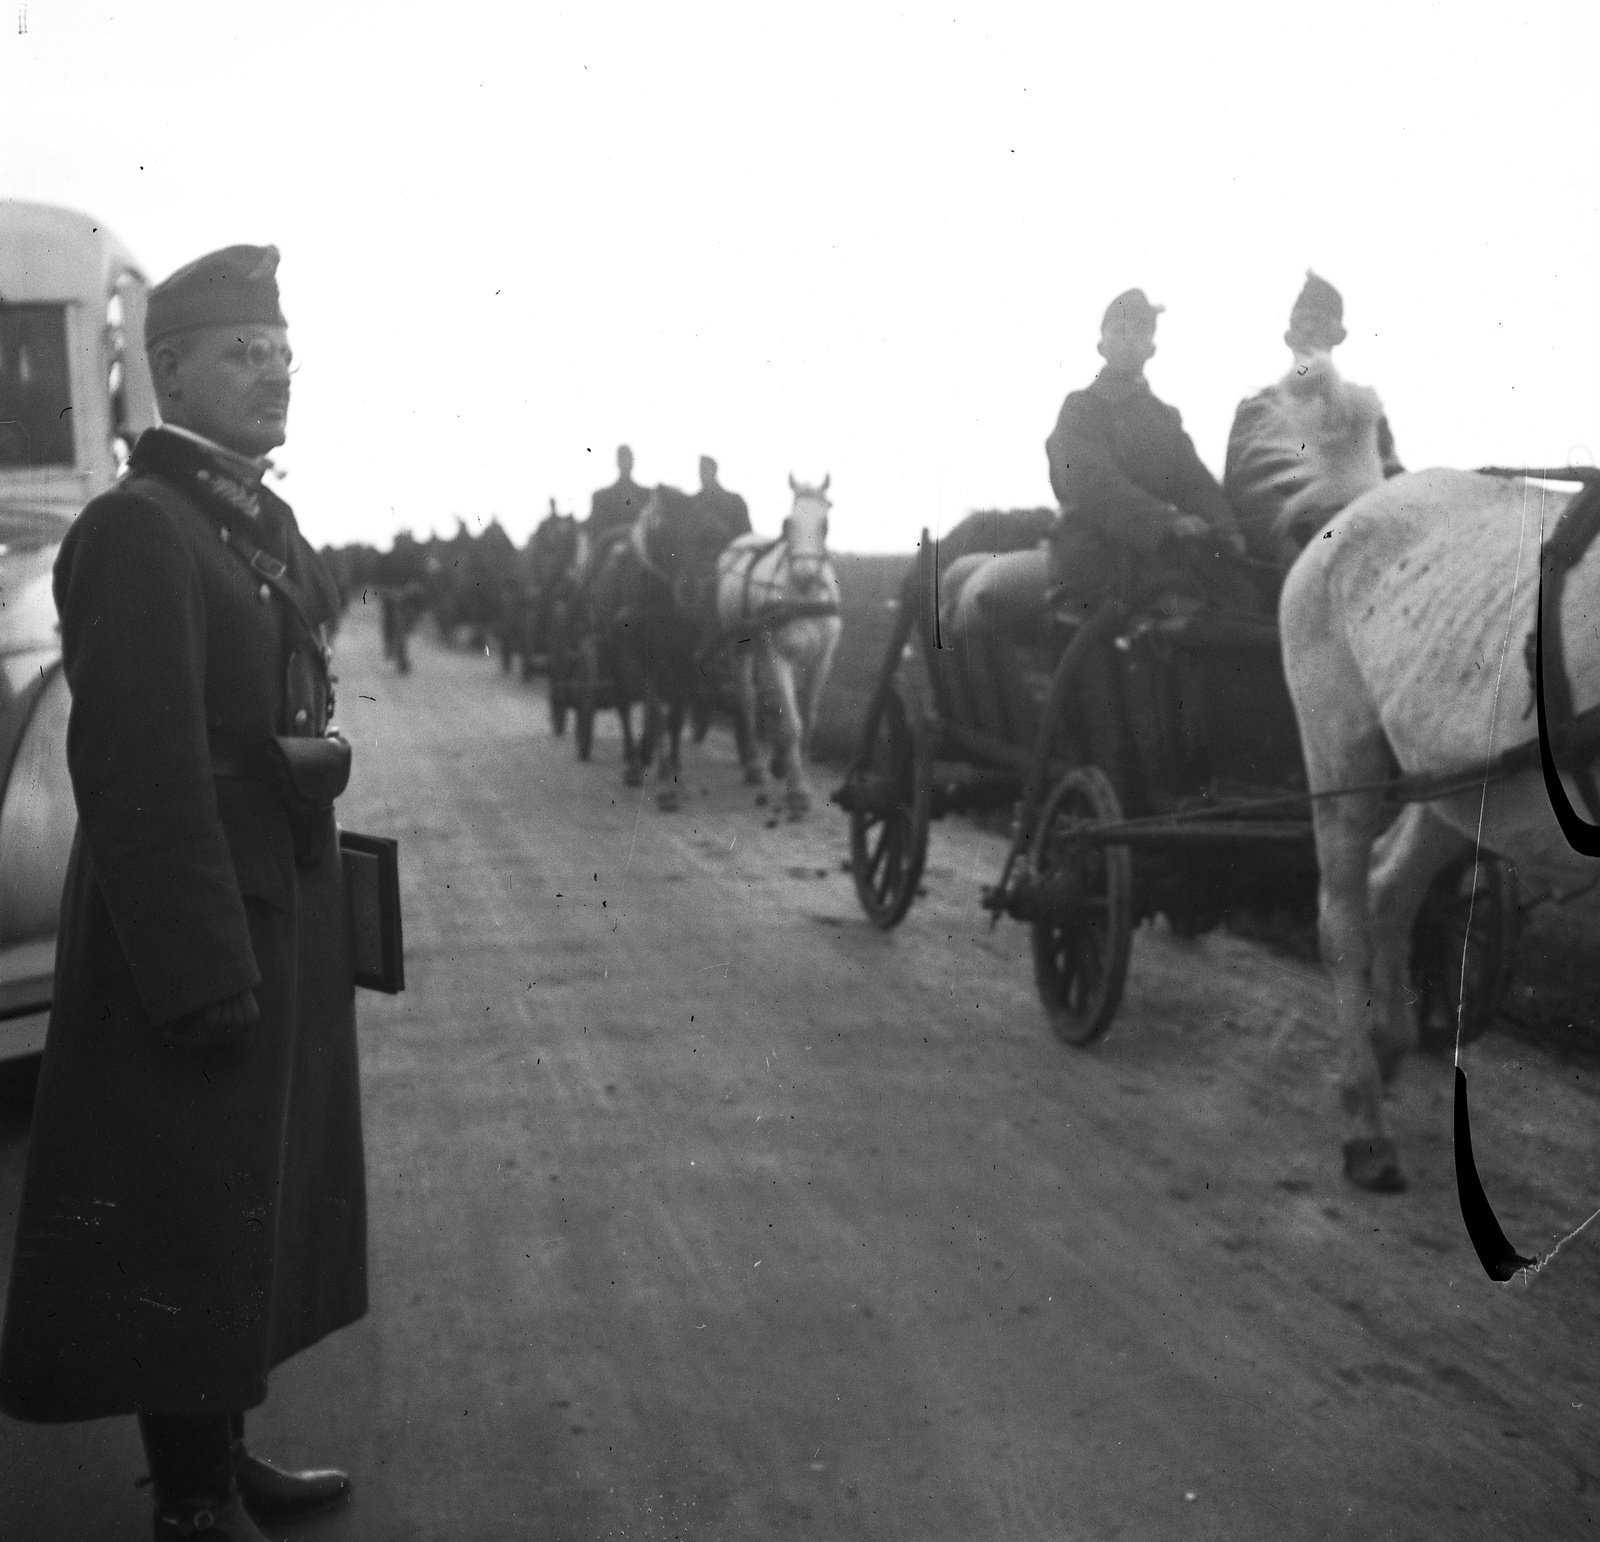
(1123,692)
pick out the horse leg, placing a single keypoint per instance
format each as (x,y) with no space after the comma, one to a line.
(816,683)
(1344,746)
(744,677)
(633,767)
(1406,859)
(797,799)
(668,770)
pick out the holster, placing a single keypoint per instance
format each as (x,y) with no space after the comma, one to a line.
(307,773)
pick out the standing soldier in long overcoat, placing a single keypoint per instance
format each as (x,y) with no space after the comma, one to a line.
(194,1208)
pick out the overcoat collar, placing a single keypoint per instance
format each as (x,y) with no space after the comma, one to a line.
(226,481)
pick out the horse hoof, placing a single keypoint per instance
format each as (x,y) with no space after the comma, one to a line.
(797,805)
(1374,1165)
(633,777)
(667,800)
(753,776)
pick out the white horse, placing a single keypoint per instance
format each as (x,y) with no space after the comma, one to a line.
(1337,425)
(761,585)
(1404,625)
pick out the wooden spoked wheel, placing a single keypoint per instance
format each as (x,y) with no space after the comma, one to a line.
(1460,962)
(889,824)
(1080,959)
(588,696)
(560,645)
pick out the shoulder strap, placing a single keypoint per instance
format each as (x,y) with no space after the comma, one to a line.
(238,541)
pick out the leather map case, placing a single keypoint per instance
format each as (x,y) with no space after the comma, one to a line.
(372,890)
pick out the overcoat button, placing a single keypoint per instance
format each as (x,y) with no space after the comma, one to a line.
(264,593)
(223,533)
(301,716)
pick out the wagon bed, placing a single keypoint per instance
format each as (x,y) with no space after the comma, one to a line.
(1162,776)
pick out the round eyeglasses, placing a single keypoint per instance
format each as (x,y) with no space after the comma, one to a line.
(259,352)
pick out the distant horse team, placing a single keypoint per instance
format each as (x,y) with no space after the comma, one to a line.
(675,614)
(661,600)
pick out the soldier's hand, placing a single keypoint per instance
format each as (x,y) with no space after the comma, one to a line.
(1233,542)
(1190,527)
(224,1025)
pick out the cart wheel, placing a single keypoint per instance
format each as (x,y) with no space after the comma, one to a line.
(889,839)
(560,665)
(1487,888)
(588,694)
(1079,966)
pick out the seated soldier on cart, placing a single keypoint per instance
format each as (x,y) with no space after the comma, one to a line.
(1141,518)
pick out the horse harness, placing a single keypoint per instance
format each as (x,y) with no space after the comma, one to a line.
(752,618)
(1544,651)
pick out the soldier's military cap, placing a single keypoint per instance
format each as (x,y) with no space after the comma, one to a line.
(1317,307)
(238,284)
(1131,306)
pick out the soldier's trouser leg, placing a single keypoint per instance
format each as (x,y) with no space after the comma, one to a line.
(1004,598)
(190,1455)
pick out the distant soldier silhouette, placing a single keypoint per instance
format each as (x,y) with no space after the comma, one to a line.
(723,511)
(617,506)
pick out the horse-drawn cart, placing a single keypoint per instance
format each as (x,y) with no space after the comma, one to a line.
(1161,775)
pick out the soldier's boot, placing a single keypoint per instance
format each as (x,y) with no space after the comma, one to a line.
(205,1520)
(275,1497)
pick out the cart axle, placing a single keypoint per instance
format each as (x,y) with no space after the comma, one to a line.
(1058,900)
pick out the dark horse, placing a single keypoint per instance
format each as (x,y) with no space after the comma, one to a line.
(653,603)
(540,568)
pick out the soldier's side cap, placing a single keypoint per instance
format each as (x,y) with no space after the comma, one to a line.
(238,284)
(1131,305)
(1317,302)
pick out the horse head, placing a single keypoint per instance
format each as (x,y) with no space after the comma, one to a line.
(805,532)
(1336,424)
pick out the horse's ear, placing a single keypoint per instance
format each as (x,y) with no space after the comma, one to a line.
(793,487)
(826,478)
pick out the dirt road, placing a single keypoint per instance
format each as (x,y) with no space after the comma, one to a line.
(702,1210)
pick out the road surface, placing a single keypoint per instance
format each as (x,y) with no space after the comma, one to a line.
(700,1209)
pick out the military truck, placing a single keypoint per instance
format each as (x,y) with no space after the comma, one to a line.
(75,393)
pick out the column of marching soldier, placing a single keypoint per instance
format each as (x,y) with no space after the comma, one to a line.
(193,1209)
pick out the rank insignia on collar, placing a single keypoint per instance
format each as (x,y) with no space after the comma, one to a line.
(230,492)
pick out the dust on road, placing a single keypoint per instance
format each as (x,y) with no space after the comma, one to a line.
(701,1209)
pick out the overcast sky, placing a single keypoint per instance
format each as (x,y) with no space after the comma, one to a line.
(872,240)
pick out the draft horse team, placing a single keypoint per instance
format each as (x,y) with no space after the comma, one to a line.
(678,608)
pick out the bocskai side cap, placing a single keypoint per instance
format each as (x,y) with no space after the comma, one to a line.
(237,285)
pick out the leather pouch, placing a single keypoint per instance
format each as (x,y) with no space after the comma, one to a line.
(307,774)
